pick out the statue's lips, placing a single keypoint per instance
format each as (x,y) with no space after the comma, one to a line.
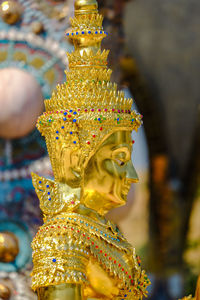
(126,189)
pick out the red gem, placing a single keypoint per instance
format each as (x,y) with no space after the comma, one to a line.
(88,143)
(92,243)
(94,136)
(78,231)
(69,116)
(119,265)
(101,251)
(72,202)
(65,227)
(52,226)
(88,238)
(58,226)
(97,247)
(47,227)
(110,258)
(101,128)
(72,228)
(126,273)
(105,254)
(83,234)
(115,262)
(129,276)
(122,269)
(132,281)
(133,141)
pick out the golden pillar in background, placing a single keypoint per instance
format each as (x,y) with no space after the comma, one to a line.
(77,253)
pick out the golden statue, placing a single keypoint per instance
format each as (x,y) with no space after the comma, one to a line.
(77,253)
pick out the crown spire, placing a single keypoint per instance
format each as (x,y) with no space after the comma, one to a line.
(87,31)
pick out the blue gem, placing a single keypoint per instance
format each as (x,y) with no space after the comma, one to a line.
(92,227)
(72,33)
(100,32)
(63,127)
(74,120)
(105,234)
(64,119)
(57,137)
(67,34)
(71,132)
(118,240)
(96,229)
(76,33)
(82,32)
(89,32)
(75,113)
(69,218)
(57,131)
(75,220)
(99,119)
(40,182)
(86,224)
(47,186)
(74,142)
(117,119)
(48,193)
(49,120)
(81,221)
(125,295)
(65,113)
(101,232)
(71,110)
(49,199)
(96,32)
(53,260)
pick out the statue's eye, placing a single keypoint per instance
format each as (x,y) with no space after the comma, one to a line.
(120,162)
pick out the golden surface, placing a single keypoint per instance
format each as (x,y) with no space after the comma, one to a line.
(9,247)
(10,11)
(87,126)
(4,292)
(58,292)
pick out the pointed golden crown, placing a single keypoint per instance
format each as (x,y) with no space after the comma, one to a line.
(87,107)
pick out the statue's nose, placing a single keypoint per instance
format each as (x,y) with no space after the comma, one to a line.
(131,174)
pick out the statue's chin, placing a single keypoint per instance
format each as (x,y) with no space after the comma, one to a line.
(21,102)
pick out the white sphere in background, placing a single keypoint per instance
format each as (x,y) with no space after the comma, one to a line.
(21,103)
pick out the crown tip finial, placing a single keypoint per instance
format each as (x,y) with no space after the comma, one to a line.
(85,7)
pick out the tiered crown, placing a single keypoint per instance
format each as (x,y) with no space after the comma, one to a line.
(87,108)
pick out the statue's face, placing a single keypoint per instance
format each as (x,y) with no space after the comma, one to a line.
(109,173)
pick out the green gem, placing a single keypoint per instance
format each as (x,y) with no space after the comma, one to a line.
(95,119)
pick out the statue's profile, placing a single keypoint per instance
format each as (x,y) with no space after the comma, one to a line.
(77,253)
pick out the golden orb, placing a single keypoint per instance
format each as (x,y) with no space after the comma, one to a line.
(5,292)
(85,6)
(10,11)
(37,27)
(9,247)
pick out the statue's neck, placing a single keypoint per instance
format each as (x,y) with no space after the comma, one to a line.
(97,202)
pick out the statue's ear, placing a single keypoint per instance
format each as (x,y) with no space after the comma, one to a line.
(76,158)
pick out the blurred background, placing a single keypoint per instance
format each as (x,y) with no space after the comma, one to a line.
(155,57)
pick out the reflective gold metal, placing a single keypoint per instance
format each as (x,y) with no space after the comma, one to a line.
(60,292)
(87,126)
(10,11)
(9,247)
(4,292)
